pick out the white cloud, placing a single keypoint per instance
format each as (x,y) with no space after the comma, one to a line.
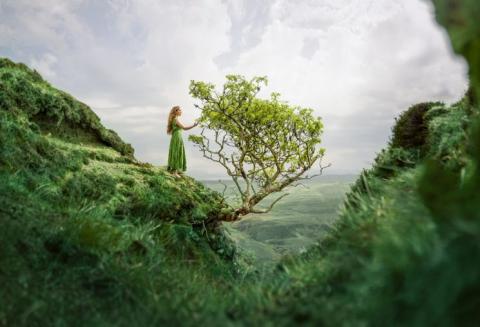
(45,65)
(374,60)
(357,63)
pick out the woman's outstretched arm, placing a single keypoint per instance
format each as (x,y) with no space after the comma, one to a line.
(183,126)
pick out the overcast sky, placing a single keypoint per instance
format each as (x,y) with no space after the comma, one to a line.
(357,63)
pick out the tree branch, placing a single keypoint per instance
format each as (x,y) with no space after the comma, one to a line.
(253,210)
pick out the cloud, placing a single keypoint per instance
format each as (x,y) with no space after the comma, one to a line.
(248,21)
(45,64)
(370,61)
(358,64)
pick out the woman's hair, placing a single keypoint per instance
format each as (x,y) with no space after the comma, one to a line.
(171,116)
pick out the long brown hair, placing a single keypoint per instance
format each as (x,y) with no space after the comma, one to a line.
(171,116)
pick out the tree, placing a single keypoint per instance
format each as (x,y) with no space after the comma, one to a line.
(264,145)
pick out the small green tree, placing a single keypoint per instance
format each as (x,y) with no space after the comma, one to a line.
(265,145)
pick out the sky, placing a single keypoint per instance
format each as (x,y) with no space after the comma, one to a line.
(357,63)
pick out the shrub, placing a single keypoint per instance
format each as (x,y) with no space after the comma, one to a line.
(410,130)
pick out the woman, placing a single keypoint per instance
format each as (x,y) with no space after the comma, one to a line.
(177,162)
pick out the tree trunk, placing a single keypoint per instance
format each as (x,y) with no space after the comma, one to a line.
(238,213)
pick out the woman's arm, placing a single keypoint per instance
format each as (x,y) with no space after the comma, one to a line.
(183,126)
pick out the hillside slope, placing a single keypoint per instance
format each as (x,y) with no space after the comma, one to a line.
(84,225)
(405,249)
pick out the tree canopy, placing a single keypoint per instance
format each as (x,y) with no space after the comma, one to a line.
(264,145)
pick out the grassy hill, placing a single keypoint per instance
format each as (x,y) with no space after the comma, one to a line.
(87,228)
(405,249)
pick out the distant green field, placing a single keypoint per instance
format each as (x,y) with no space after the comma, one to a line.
(296,222)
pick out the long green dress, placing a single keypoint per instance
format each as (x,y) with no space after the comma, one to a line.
(177,161)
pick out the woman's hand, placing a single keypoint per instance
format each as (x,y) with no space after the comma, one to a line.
(186,128)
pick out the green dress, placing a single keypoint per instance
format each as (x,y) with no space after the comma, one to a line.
(176,154)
